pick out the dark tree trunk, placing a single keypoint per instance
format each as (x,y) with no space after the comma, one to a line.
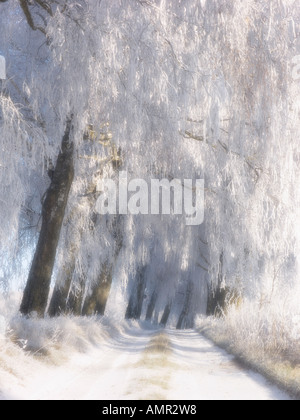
(151,306)
(217,301)
(63,292)
(166,315)
(220,299)
(38,285)
(185,320)
(58,304)
(135,306)
(217,297)
(95,303)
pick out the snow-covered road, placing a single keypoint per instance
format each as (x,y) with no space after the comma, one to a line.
(143,364)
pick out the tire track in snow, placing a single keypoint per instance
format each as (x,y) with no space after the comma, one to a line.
(208,373)
(182,365)
(153,370)
(143,365)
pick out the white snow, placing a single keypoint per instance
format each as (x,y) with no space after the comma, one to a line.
(209,373)
(120,366)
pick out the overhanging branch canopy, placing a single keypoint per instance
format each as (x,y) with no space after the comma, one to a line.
(27,7)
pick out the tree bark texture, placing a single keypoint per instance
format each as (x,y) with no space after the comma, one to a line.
(185,320)
(36,293)
(151,306)
(135,306)
(166,315)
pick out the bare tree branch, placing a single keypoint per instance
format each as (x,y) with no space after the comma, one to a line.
(256,168)
(25,7)
(204,242)
(45,6)
(188,135)
(203,268)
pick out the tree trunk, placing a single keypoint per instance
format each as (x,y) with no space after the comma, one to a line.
(217,297)
(58,304)
(75,298)
(38,285)
(63,292)
(135,306)
(166,315)
(184,319)
(151,306)
(95,303)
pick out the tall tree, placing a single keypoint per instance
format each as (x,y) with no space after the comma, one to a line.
(136,300)
(97,297)
(186,319)
(36,293)
(183,94)
(151,305)
(166,314)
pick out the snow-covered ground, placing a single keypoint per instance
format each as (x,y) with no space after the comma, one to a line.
(133,364)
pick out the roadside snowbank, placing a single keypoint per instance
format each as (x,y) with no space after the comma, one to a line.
(265,339)
(68,357)
(49,336)
(29,346)
(96,358)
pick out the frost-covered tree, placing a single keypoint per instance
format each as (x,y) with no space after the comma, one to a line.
(50,99)
(36,293)
(198,89)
